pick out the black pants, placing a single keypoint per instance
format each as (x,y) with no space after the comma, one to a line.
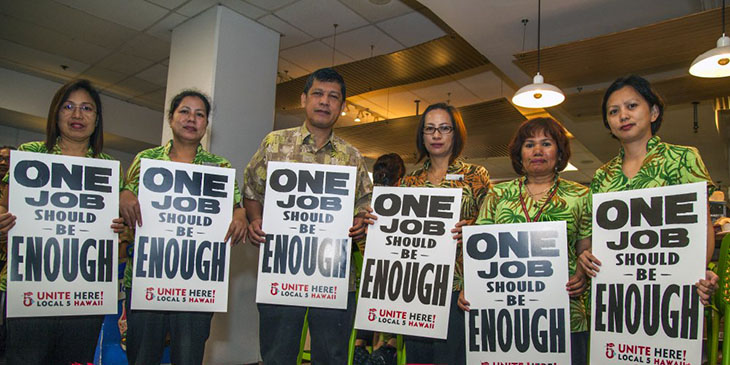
(53,340)
(280,330)
(147,330)
(451,351)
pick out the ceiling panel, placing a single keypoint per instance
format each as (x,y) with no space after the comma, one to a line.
(667,45)
(290,36)
(411,29)
(167,4)
(132,86)
(195,7)
(289,70)
(439,92)
(356,43)
(135,14)
(374,12)
(64,20)
(49,41)
(147,47)
(487,84)
(314,55)
(125,63)
(270,4)
(156,74)
(302,14)
(244,8)
(102,77)
(163,28)
(33,59)
(153,100)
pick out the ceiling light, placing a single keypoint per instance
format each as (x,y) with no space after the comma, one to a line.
(570,167)
(357,118)
(715,62)
(538,94)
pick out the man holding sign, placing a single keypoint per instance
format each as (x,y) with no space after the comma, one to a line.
(147,329)
(314,142)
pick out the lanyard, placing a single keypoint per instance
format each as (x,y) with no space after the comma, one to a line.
(539,212)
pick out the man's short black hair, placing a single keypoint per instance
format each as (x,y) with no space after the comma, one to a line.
(325,75)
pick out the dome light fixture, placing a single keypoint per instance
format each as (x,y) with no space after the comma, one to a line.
(538,94)
(714,63)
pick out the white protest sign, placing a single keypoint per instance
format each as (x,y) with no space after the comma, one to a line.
(308,212)
(514,280)
(63,254)
(652,245)
(408,266)
(181,262)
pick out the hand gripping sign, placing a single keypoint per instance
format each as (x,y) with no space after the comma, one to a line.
(62,257)
(180,260)
(407,273)
(308,213)
(652,244)
(514,279)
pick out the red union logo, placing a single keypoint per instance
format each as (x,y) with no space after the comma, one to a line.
(274,288)
(150,294)
(28,298)
(609,350)
(371,314)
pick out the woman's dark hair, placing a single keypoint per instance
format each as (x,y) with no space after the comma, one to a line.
(551,128)
(644,89)
(388,169)
(182,95)
(96,140)
(459,131)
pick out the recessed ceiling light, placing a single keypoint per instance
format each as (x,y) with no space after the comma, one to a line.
(380,2)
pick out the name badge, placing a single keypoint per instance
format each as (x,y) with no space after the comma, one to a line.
(455,177)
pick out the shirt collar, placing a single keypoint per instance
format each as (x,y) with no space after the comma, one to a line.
(305,137)
(651,144)
(456,166)
(168,147)
(56,150)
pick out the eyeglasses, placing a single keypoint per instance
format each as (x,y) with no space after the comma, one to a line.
(69,107)
(444,129)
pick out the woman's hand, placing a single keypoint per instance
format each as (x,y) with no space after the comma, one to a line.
(589,263)
(577,283)
(707,286)
(7,221)
(255,234)
(238,228)
(361,222)
(462,302)
(457,229)
(129,209)
(118,225)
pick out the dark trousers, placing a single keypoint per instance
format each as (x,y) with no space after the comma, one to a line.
(579,342)
(280,330)
(147,330)
(53,340)
(451,351)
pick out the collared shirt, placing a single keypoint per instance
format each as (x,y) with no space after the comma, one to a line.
(297,145)
(570,203)
(162,153)
(665,164)
(39,147)
(473,180)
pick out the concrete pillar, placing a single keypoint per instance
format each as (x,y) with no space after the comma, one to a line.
(233,59)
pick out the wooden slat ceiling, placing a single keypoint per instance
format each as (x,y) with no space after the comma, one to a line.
(680,90)
(667,45)
(443,56)
(490,124)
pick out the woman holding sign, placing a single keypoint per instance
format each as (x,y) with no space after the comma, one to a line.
(74,128)
(633,112)
(539,150)
(440,139)
(146,330)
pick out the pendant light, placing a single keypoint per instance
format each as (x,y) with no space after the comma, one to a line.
(538,94)
(715,62)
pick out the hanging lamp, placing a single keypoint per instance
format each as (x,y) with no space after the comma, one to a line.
(715,62)
(538,94)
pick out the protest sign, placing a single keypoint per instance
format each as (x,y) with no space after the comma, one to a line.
(63,254)
(408,268)
(652,246)
(181,262)
(514,280)
(308,213)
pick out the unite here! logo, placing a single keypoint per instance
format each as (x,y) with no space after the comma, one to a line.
(28,298)
(274,288)
(610,352)
(371,314)
(150,294)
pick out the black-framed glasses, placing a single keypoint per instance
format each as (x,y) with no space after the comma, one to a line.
(443,129)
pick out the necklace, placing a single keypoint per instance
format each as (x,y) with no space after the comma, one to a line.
(539,212)
(533,195)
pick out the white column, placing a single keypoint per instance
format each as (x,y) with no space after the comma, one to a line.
(233,59)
